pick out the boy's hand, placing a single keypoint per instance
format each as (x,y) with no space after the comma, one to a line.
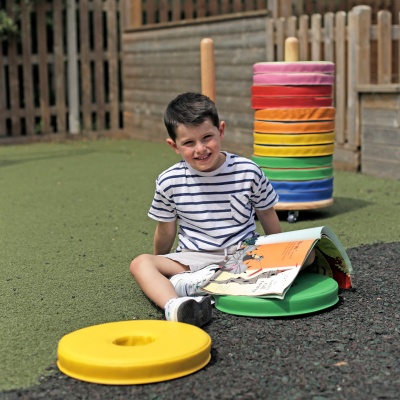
(164,237)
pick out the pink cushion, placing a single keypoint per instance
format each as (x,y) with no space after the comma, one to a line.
(293,79)
(326,67)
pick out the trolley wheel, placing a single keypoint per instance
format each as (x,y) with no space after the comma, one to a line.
(292,216)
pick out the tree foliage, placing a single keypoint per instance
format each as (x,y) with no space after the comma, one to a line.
(9,21)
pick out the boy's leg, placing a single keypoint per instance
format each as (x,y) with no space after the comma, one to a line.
(152,273)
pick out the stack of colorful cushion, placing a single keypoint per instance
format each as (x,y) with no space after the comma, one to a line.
(294,128)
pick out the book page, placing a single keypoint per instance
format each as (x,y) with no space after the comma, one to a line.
(303,234)
(264,283)
(278,255)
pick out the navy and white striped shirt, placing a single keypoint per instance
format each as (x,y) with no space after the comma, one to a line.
(215,209)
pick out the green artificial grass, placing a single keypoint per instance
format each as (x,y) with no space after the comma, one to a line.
(74,215)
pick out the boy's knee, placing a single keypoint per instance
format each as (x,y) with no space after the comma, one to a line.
(137,263)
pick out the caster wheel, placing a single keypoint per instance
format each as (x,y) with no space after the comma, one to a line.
(292,216)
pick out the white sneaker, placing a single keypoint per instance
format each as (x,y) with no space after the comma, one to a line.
(190,283)
(185,309)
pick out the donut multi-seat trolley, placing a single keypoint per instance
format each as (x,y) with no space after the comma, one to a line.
(294,129)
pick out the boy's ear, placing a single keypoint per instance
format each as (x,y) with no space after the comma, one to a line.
(221,129)
(173,145)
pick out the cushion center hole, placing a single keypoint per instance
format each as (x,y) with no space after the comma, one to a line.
(133,340)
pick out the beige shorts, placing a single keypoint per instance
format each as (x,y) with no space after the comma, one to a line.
(196,260)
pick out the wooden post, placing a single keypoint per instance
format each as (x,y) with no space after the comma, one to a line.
(73,77)
(291,49)
(135,14)
(340,77)
(27,69)
(358,68)
(207,68)
(384,47)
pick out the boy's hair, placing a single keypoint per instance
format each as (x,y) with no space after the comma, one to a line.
(189,109)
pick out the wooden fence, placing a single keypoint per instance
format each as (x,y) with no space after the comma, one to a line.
(148,12)
(366,58)
(51,66)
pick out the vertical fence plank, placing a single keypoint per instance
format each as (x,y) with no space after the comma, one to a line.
(280,39)
(201,8)
(261,4)
(189,9)
(59,66)
(213,8)
(43,68)
(26,35)
(72,69)
(398,53)
(99,64)
(150,12)
(132,13)
(384,47)
(364,43)
(163,10)
(291,26)
(299,7)
(3,127)
(237,5)
(316,37)
(13,79)
(358,68)
(269,39)
(177,10)
(224,6)
(340,77)
(285,8)
(351,79)
(303,38)
(112,46)
(251,5)
(329,21)
(85,72)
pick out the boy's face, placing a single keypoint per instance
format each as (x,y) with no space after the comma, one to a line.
(200,146)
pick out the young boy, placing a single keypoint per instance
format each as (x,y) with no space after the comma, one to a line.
(214,195)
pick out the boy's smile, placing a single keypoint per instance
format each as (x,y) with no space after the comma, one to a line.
(200,146)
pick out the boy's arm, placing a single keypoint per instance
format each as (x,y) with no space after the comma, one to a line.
(269,221)
(164,237)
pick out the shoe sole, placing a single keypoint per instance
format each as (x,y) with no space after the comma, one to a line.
(194,312)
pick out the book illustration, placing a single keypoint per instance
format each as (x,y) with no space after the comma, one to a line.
(278,255)
(329,262)
(264,283)
(234,262)
(244,279)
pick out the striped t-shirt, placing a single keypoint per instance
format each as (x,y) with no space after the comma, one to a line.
(215,209)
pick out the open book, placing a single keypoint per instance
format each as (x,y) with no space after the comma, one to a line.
(268,266)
